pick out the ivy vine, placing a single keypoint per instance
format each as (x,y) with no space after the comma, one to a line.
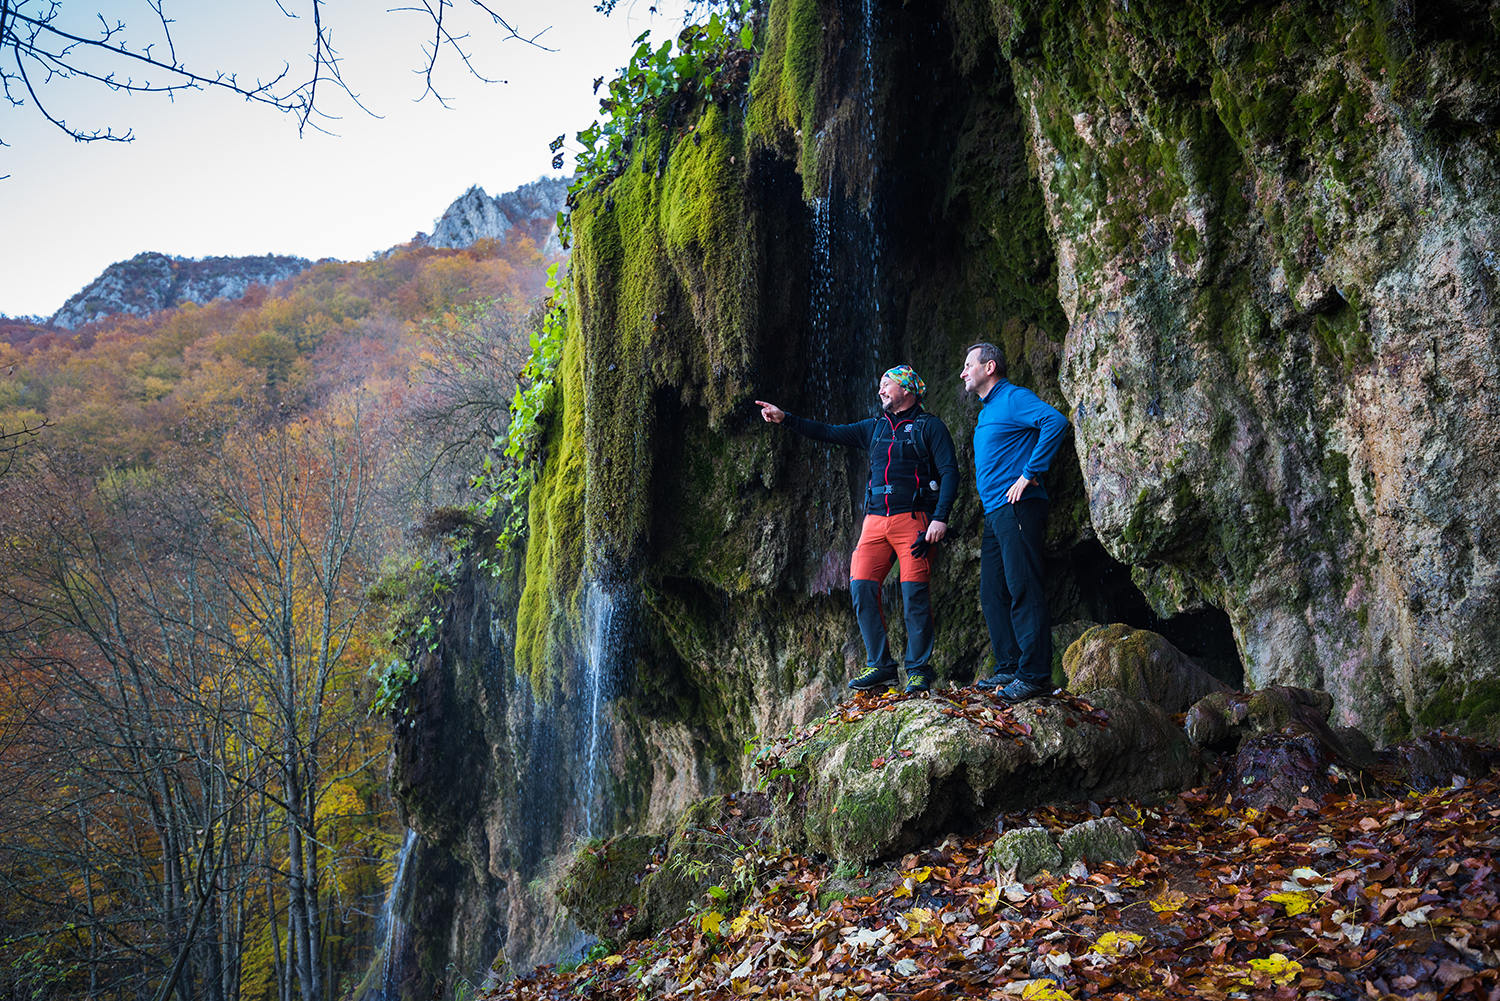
(709,61)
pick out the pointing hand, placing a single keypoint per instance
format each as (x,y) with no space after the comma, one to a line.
(770,412)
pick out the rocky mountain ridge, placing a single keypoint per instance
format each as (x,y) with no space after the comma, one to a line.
(152,281)
(476,216)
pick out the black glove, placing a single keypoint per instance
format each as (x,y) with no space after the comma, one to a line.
(920,547)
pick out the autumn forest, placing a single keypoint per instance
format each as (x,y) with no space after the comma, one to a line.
(214,562)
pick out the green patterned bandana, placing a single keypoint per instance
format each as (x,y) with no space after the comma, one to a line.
(907,379)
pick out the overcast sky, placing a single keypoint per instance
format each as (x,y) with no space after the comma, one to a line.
(209,174)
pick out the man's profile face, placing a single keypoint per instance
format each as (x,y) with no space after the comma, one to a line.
(975,371)
(893,396)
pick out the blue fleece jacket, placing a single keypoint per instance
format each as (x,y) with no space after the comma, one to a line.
(1017,434)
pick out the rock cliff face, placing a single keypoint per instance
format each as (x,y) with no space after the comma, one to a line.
(149,282)
(475,216)
(1274,234)
(1252,261)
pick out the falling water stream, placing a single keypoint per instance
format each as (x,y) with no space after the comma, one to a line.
(392,928)
(601,648)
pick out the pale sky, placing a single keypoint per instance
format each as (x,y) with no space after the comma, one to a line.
(209,174)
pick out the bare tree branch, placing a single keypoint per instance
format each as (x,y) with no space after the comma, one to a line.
(35,50)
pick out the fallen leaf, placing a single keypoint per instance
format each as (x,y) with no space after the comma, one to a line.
(1281,970)
(1294,903)
(1113,943)
(1167,900)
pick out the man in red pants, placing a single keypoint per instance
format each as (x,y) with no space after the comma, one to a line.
(913,481)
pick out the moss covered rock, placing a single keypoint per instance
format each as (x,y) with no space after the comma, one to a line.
(901,775)
(600,885)
(1138,662)
(1106,839)
(1025,852)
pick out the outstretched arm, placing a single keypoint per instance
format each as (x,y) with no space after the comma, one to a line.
(855,435)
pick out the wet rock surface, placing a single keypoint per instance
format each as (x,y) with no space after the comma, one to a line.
(1437,760)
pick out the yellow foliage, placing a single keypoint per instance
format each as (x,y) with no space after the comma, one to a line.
(1295,903)
(1116,944)
(1168,900)
(1281,970)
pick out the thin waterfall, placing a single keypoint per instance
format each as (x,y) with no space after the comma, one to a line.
(601,649)
(392,928)
(874,339)
(820,380)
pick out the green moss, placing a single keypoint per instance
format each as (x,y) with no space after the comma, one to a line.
(665,292)
(554,552)
(784,90)
(1474,707)
(1341,333)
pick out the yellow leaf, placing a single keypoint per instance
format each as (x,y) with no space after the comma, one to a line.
(1060,892)
(1112,943)
(710,922)
(614,960)
(990,899)
(1281,970)
(1295,903)
(920,875)
(1168,900)
(738,924)
(1044,990)
(904,890)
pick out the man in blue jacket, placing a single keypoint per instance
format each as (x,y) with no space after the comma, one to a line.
(913,481)
(1014,441)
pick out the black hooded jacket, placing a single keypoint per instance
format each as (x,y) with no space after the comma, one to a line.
(909,451)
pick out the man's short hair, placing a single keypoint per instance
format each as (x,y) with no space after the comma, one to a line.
(988,352)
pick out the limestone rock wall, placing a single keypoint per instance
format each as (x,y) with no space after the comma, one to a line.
(1274,228)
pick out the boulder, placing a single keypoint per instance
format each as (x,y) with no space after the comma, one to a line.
(1437,760)
(890,773)
(1223,720)
(1106,839)
(1025,851)
(616,890)
(1278,769)
(1281,744)
(1140,663)
(599,882)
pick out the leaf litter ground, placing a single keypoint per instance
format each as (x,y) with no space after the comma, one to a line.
(1355,896)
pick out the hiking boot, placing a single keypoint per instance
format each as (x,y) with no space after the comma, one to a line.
(918,681)
(996,680)
(1020,690)
(875,678)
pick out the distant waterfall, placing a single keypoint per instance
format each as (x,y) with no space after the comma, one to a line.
(392,929)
